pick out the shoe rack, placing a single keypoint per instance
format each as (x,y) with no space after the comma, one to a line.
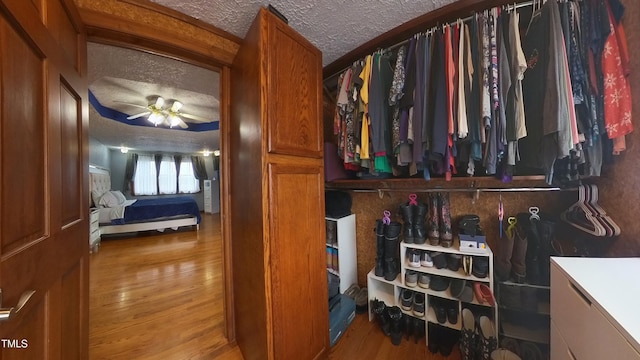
(391,291)
(341,250)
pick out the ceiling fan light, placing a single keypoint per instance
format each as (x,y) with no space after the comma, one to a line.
(159,102)
(177,105)
(173,120)
(156,118)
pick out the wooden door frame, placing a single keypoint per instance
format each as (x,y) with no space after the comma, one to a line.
(125,23)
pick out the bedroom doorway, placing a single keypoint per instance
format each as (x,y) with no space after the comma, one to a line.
(137,279)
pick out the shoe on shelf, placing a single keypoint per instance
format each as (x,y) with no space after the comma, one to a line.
(439,260)
(406,299)
(456,287)
(424,280)
(414,258)
(440,310)
(425,259)
(454,261)
(439,283)
(480,267)
(411,278)
(487,338)
(468,336)
(484,293)
(452,313)
(418,304)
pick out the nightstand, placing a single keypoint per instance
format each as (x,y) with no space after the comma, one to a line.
(94,230)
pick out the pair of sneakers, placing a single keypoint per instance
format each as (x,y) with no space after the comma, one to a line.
(414,278)
(413,301)
(419,258)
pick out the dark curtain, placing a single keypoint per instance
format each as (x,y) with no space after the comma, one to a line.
(199,169)
(158,158)
(130,169)
(178,160)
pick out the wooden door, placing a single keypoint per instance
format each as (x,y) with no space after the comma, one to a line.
(277,187)
(298,269)
(43,181)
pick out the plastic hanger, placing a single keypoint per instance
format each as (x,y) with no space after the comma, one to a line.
(611,225)
(581,217)
(512,220)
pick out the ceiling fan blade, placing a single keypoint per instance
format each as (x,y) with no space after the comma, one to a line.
(130,104)
(135,116)
(183,124)
(195,117)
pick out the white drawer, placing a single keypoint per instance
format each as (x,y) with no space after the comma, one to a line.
(606,341)
(94,216)
(571,312)
(559,348)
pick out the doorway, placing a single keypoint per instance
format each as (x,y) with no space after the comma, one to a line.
(121,79)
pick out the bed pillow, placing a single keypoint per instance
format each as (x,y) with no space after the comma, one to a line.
(119,196)
(95,196)
(108,200)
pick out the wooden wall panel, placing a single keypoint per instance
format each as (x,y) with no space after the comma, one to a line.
(23,189)
(64,31)
(368,207)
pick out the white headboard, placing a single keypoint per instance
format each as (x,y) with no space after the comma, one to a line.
(99,181)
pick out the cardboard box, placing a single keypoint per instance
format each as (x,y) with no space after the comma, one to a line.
(475,244)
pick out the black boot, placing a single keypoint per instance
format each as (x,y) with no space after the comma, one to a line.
(419,226)
(407,322)
(380,312)
(395,315)
(530,226)
(546,231)
(419,330)
(380,230)
(407,211)
(392,251)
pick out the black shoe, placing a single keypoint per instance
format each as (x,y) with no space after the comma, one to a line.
(407,322)
(418,329)
(452,314)
(395,316)
(480,266)
(454,261)
(379,310)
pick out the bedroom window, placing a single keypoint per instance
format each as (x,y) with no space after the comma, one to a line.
(145,179)
(187,182)
(167,175)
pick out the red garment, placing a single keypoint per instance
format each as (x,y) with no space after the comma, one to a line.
(617,92)
(450,76)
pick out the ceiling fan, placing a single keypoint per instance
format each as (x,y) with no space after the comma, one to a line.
(159,114)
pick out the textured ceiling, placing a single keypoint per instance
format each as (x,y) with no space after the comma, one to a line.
(333,26)
(120,75)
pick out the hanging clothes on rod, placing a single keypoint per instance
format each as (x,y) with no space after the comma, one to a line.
(485,96)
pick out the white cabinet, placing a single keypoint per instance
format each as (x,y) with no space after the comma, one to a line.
(391,291)
(341,249)
(208,205)
(594,309)
(94,230)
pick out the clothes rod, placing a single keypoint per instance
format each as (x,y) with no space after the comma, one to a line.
(471,189)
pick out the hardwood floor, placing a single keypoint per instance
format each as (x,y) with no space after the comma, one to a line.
(159,296)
